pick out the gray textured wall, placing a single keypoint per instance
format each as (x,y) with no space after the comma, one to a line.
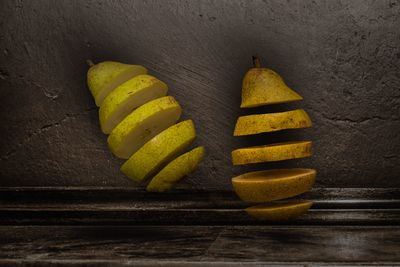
(342,56)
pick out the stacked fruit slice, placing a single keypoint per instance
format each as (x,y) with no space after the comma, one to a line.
(262,86)
(141,121)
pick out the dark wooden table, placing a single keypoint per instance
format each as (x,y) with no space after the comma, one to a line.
(63,200)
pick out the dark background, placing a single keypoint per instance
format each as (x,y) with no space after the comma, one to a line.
(343,57)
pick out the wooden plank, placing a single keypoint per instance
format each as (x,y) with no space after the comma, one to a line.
(143,245)
(126,206)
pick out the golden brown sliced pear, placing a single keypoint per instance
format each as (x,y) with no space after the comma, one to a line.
(272,152)
(279,211)
(263,123)
(176,170)
(262,86)
(159,150)
(128,96)
(269,185)
(104,77)
(142,124)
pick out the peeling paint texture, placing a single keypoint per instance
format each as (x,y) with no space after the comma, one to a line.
(343,57)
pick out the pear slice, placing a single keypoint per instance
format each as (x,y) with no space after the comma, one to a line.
(262,123)
(269,185)
(159,150)
(104,77)
(142,124)
(128,96)
(262,86)
(176,170)
(272,152)
(279,211)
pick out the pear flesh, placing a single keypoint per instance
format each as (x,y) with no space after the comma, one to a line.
(143,124)
(128,96)
(279,211)
(263,123)
(159,150)
(104,77)
(269,185)
(272,152)
(262,86)
(176,170)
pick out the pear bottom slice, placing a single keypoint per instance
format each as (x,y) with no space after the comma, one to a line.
(279,211)
(176,170)
(272,152)
(159,150)
(269,185)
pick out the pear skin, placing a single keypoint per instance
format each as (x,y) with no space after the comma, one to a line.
(272,152)
(262,86)
(127,97)
(279,211)
(263,123)
(104,77)
(142,124)
(160,150)
(269,185)
(176,170)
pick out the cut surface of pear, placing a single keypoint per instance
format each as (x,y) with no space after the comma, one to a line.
(159,150)
(279,211)
(128,96)
(272,152)
(105,76)
(176,170)
(142,124)
(271,122)
(269,185)
(262,86)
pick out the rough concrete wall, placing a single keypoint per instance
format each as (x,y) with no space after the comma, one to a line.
(343,57)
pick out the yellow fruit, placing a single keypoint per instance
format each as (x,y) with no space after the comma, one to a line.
(159,150)
(262,123)
(143,124)
(176,170)
(279,211)
(128,96)
(262,86)
(104,77)
(269,185)
(272,152)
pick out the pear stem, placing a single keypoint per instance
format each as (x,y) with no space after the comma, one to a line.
(256,62)
(89,62)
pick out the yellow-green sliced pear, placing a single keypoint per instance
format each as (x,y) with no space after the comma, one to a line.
(176,170)
(262,86)
(272,152)
(269,185)
(128,96)
(279,211)
(104,77)
(159,150)
(142,124)
(262,123)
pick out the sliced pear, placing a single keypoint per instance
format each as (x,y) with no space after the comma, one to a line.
(262,123)
(104,77)
(269,185)
(279,211)
(128,96)
(143,124)
(263,86)
(176,170)
(159,150)
(272,152)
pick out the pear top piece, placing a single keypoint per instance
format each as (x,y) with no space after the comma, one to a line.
(262,86)
(104,77)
